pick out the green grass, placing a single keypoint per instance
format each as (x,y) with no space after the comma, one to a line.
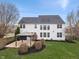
(53,50)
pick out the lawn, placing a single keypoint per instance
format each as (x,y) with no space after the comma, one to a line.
(53,50)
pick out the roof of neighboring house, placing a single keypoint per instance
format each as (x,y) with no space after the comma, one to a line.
(42,19)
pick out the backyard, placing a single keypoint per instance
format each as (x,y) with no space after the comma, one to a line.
(53,50)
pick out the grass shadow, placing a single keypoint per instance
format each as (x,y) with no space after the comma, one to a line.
(3,48)
(33,50)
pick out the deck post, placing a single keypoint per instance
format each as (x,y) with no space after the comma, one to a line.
(30,40)
(16,41)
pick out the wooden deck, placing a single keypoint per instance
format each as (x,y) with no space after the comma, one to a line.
(17,44)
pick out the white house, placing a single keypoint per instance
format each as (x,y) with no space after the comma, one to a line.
(48,27)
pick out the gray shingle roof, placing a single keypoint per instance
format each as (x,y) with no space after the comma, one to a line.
(42,19)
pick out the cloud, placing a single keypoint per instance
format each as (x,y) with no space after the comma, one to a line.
(63,3)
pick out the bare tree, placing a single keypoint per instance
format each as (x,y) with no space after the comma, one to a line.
(8,15)
(77,24)
(72,20)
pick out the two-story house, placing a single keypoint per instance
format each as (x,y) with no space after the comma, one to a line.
(48,27)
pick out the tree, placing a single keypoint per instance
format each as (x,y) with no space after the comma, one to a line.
(77,24)
(8,15)
(77,29)
(17,31)
(72,20)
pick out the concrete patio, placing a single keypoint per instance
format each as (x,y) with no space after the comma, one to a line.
(17,44)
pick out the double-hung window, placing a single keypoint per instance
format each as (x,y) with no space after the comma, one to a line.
(59,34)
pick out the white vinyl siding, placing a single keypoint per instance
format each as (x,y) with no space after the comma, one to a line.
(51,31)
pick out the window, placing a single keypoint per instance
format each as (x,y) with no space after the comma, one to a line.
(48,34)
(41,34)
(20,25)
(48,27)
(35,26)
(23,25)
(44,27)
(59,34)
(59,26)
(44,34)
(40,27)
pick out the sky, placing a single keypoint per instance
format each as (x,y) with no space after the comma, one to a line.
(34,8)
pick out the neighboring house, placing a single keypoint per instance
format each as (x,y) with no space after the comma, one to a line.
(48,27)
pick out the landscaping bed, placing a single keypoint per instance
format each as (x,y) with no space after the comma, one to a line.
(36,46)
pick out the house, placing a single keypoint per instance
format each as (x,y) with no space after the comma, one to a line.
(48,27)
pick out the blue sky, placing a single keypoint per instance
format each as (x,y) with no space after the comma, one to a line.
(44,7)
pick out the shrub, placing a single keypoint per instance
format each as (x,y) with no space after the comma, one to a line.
(38,45)
(69,39)
(23,49)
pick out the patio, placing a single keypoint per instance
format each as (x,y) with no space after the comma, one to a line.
(17,44)
(26,38)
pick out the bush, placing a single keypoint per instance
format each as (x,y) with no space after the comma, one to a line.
(23,49)
(69,39)
(38,45)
